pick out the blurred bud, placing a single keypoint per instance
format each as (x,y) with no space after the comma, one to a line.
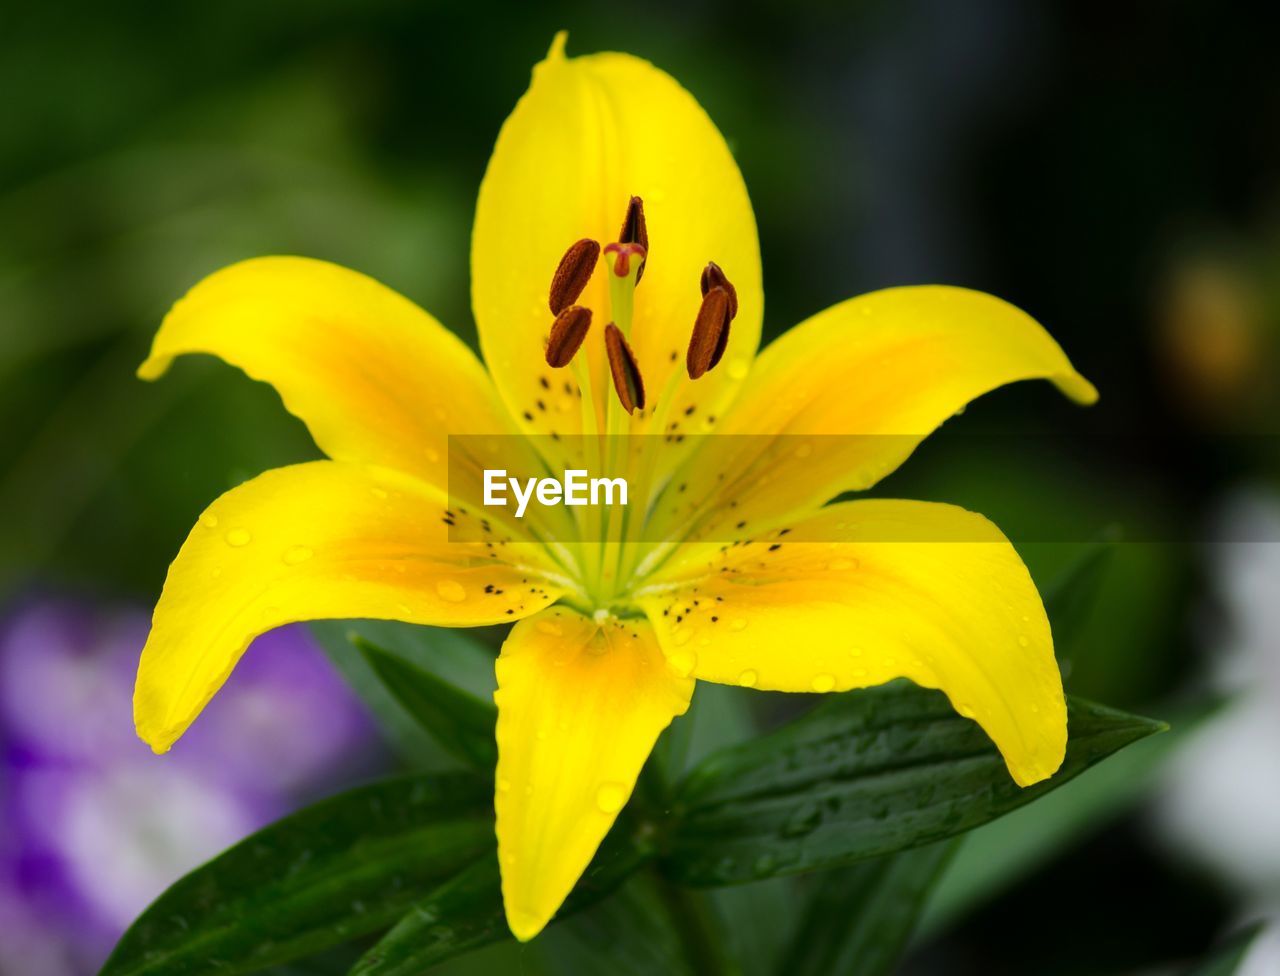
(1210,339)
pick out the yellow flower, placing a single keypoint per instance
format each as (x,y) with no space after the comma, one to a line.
(612,629)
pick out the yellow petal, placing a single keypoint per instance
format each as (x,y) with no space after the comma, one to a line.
(895,589)
(315,541)
(375,378)
(580,706)
(842,399)
(590,133)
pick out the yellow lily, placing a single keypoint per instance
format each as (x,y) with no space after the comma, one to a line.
(612,630)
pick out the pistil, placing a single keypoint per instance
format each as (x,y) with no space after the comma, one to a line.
(628,263)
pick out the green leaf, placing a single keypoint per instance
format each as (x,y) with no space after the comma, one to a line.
(345,867)
(864,774)
(460,722)
(997,854)
(1226,960)
(453,656)
(632,929)
(1072,595)
(466,912)
(859,918)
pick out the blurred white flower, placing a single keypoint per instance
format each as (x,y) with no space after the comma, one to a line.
(1220,802)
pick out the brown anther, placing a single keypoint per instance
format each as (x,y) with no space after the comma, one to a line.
(622,255)
(635,231)
(713,277)
(710,333)
(572,274)
(626,374)
(567,333)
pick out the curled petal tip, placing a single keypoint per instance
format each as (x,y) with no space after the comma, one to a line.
(524,925)
(1076,387)
(152,368)
(158,742)
(556,51)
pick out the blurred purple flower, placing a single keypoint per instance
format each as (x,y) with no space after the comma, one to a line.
(92,825)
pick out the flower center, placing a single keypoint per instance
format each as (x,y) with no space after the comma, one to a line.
(606,565)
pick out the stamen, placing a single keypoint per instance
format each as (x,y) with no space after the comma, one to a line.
(713,277)
(567,333)
(635,231)
(710,333)
(572,274)
(626,374)
(623,253)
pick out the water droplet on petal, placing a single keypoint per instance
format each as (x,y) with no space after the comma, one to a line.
(611,797)
(239,537)
(433,455)
(804,450)
(1023,641)
(451,591)
(840,565)
(379,492)
(738,369)
(823,682)
(748,678)
(550,628)
(297,554)
(209,520)
(683,663)
(739,623)
(681,637)
(504,786)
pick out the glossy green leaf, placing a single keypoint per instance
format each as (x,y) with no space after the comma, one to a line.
(466,912)
(632,929)
(460,722)
(754,918)
(864,774)
(996,855)
(345,867)
(858,919)
(453,656)
(1072,595)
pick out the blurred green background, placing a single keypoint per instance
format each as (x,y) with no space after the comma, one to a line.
(1110,167)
